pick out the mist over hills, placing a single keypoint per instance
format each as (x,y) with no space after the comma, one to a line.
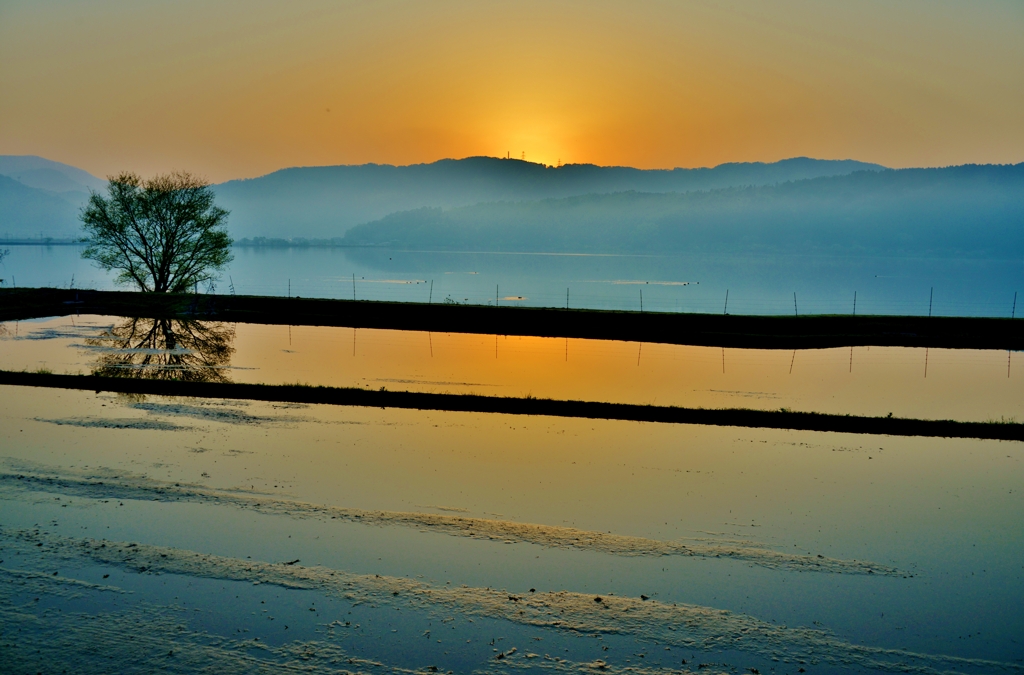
(487,204)
(27,212)
(41,198)
(965,210)
(45,174)
(324,202)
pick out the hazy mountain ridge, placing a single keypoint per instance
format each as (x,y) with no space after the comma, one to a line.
(971,209)
(46,174)
(323,202)
(41,198)
(27,212)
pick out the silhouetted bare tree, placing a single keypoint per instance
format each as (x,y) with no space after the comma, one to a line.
(164,234)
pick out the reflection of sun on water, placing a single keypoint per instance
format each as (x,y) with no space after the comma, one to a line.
(878,381)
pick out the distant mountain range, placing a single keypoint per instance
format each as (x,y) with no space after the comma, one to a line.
(324,202)
(483,203)
(41,198)
(965,210)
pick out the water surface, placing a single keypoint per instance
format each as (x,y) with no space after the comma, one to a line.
(975,385)
(754,284)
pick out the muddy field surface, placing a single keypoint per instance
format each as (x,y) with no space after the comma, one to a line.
(154,533)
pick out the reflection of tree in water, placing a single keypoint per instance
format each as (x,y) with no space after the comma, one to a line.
(165,349)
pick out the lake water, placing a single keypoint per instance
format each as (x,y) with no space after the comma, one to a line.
(755,285)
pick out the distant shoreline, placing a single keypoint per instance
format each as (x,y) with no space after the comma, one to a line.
(46,241)
(257,242)
(301,243)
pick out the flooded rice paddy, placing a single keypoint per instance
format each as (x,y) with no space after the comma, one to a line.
(965,385)
(142,534)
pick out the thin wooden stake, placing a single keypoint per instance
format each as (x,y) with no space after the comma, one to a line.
(353,285)
(855,303)
(430,298)
(726,310)
(931,296)
(795,313)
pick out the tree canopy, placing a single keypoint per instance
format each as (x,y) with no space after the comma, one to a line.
(164,234)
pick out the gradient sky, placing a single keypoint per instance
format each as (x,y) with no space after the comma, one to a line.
(228,89)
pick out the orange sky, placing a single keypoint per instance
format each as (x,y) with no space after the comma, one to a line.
(229,89)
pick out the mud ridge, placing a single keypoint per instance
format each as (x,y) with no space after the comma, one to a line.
(142,488)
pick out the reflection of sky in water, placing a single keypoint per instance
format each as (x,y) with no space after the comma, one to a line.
(933,383)
(948,511)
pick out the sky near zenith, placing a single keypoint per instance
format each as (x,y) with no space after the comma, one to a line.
(232,88)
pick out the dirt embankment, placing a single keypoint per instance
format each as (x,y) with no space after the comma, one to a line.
(714,330)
